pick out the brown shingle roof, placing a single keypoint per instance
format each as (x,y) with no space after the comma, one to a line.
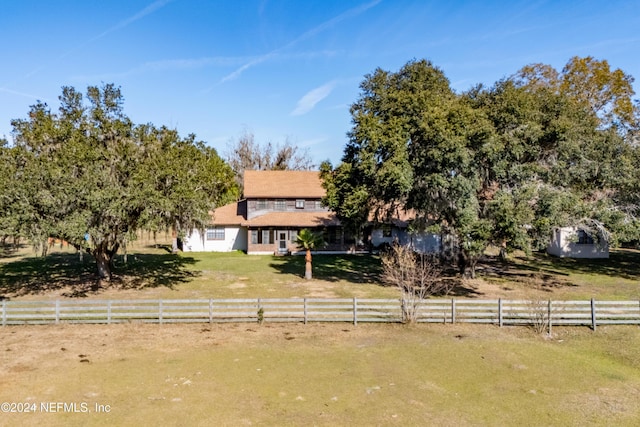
(231,214)
(293,219)
(394,214)
(282,184)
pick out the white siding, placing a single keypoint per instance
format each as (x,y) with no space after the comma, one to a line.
(564,244)
(378,238)
(424,242)
(235,239)
(421,242)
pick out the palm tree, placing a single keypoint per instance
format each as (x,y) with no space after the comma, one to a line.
(308,240)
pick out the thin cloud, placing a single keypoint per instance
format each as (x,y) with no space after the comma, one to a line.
(144,12)
(311,98)
(248,65)
(26,95)
(273,55)
(169,65)
(125,22)
(312,32)
(196,63)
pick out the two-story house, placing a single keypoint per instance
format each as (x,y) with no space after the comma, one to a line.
(276,206)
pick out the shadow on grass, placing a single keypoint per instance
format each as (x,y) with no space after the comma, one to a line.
(66,272)
(358,269)
(540,271)
(459,289)
(10,251)
(524,272)
(160,246)
(333,268)
(623,263)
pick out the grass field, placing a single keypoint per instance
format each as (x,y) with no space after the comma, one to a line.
(153,272)
(449,375)
(316,374)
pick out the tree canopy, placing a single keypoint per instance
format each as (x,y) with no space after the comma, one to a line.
(247,154)
(591,82)
(501,165)
(89,176)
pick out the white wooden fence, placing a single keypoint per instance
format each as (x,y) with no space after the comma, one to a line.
(353,310)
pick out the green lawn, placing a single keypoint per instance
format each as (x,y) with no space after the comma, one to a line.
(615,278)
(153,272)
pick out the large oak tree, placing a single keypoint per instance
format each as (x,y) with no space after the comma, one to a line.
(502,165)
(89,176)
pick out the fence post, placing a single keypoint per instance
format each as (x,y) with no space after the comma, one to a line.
(4,312)
(355,311)
(305,310)
(549,316)
(500,322)
(160,312)
(593,314)
(210,311)
(57,311)
(453,310)
(108,312)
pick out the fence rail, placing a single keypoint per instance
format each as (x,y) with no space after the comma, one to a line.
(353,310)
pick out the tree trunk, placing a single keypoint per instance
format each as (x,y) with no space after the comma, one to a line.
(307,266)
(472,267)
(503,252)
(462,264)
(103,261)
(174,239)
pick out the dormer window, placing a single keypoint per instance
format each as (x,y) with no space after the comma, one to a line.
(262,204)
(281,205)
(300,204)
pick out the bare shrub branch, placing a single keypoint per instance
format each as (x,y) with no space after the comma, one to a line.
(416,275)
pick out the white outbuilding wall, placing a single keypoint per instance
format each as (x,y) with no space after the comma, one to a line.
(565,243)
(235,239)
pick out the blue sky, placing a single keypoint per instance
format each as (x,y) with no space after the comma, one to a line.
(285,69)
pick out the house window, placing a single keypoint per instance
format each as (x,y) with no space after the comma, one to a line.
(216,233)
(317,204)
(266,237)
(300,204)
(386,231)
(254,237)
(584,238)
(293,235)
(281,205)
(262,204)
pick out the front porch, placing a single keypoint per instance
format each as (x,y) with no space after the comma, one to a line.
(282,240)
